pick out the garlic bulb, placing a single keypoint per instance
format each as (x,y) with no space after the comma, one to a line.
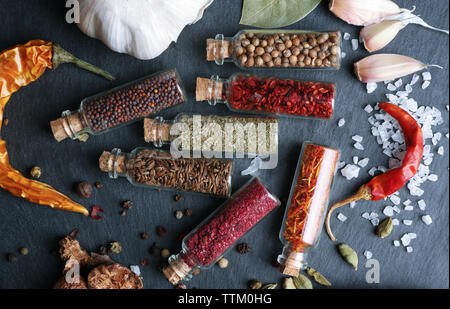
(141,28)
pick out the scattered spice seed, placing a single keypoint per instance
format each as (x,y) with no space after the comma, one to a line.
(98,185)
(145,262)
(196,272)
(12,258)
(179,214)
(222,263)
(188,212)
(36,172)
(127,205)
(74,233)
(255,284)
(95,213)
(103,250)
(165,253)
(24,251)
(155,250)
(84,189)
(161,231)
(144,236)
(115,247)
(123,213)
(177,198)
(243,248)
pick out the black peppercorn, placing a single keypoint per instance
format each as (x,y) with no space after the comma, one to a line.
(243,248)
(103,250)
(98,185)
(127,205)
(161,231)
(12,258)
(188,212)
(177,198)
(84,189)
(155,250)
(144,235)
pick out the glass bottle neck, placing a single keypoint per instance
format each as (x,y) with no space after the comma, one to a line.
(219,49)
(180,268)
(292,261)
(70,125)
(157,130)
(212,90)
(114,163)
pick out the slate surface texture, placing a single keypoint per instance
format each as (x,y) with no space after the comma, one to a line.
(30,142)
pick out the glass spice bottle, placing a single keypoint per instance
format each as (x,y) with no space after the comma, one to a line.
(224,134)
(210,240)
(299,49)
(121,105)
(307,205)
(269,96)
(158,169)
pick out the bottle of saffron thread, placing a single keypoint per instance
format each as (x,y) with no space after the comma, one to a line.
(269,96)
(306,206)
(210,240)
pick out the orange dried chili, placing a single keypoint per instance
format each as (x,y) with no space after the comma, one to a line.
(390,182)
(19,66)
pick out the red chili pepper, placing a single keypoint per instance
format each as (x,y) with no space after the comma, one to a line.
(385,184)
(95,213)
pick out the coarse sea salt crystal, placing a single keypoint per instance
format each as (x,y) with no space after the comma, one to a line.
(409,249)
(407,222)
(412,235)
(396,209)
(426,76)
(398,83)
(409,208)
(414,79)
(425,84)
(391,87)
(343,55)
(372,171)
(346,36)
(440,151)
(396,243)
(355,44)
(433,177)
(395,199)
(358,146)
(341,122)
(407,202)
(357,138)
(368,109)
(350,171)
(371,87)
(340,164)
(355,160)
(368,254)
(375,221)
(387,81)
(352,204)
(427,219)
(135,269)
(365,215)
(341,217)
(408,88)
(363,163)
(373,215)
(405,240)
(388,211)
(395,222)
(422,204)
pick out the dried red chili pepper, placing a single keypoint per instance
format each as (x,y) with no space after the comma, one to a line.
(386,184)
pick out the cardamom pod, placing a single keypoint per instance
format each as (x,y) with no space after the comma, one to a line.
(349,255)
(288,283)
(318,277)
(302,282)
(385,228)
(269,286)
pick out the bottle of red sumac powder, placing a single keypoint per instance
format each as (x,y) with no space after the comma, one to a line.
(307,205)
(121,105)
(158,169)
(209,241)
(269,96)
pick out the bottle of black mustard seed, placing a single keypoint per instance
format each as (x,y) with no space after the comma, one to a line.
(121,106)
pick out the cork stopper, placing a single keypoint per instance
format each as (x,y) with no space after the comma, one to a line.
(176,271)
(109,162)
(292,264)
(217,49)
(155,131)
(65,127)
(203,91)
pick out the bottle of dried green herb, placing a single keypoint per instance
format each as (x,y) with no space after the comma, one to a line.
(215,134)
(158,169)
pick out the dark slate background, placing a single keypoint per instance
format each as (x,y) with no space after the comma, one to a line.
(30,143)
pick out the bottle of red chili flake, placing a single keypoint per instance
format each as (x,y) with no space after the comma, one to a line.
(307,205)
(269,96)
(216,234)
(292,49)
(120,106)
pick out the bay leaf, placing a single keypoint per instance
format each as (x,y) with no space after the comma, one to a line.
(349,255)
(318,277)
(288,284)
(275,13)
(302,282)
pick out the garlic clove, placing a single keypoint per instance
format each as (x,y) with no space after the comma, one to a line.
(381,67)
(363,12)
(377,36)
